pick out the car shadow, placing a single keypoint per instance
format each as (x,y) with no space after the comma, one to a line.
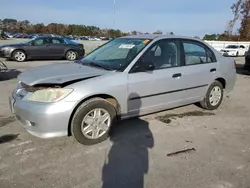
(8,138)
(8,74)
(128,159)
(240,70)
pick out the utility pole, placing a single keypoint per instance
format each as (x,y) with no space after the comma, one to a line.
(114,14)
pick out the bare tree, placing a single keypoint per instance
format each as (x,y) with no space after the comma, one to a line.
(236,9)
(245,21)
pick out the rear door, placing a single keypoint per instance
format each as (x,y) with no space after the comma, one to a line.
(57,47)
(199,70)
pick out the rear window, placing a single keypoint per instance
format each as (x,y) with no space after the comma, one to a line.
(58,41)
(232,46)
(69,41)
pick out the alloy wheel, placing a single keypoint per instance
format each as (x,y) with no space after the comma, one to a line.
(215,96)
(96,123)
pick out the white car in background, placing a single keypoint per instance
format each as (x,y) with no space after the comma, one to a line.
(234,50)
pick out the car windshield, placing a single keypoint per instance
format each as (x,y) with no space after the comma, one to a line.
(233,46)
(28,41)
(116,54)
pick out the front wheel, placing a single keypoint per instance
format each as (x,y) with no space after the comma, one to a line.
(92,121)
(71,55)
(214,96)
(19,56)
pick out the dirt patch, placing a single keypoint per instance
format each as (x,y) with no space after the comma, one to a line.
(6,120)
(167,118)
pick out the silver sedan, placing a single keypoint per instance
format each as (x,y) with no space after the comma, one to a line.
(126,77)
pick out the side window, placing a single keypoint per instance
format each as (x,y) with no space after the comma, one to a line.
(163,54)
(196,53)
(58,41)
(241,46)
(55,41)
(39,42)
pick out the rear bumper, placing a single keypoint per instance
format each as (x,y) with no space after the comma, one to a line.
(247,64)
(230,81)
(81,54)
(231,54)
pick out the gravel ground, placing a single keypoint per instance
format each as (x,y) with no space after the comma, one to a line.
(136,154)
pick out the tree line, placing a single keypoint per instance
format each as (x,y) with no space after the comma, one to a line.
(12,25)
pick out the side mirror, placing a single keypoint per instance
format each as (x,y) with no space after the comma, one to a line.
(144,65)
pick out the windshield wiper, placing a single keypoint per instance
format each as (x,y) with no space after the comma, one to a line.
(98,65)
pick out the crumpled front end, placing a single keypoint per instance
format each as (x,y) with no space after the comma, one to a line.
(44,120)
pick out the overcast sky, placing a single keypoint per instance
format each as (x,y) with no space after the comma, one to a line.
(183,17)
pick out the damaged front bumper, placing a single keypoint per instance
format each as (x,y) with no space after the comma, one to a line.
(5,54)
(44,120)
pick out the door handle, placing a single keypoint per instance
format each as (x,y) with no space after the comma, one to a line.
(213,70)
(177,75)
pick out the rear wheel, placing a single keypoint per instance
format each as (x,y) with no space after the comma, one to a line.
(214,96)
(71,55)
(19,55)
(92,121)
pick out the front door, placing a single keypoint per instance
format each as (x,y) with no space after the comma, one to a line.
(157,89)
(40,48)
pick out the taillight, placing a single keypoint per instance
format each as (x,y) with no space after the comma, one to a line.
(234,64)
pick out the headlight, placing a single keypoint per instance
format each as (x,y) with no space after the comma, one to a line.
(49,95)
(5,48)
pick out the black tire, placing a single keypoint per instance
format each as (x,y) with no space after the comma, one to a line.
(205,104)
(237,54)
(71,55)
(82,111)
(15,55)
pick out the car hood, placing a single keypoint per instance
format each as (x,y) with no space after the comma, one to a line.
(59,73)
(11,45)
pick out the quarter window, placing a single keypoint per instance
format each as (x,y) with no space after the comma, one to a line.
(196,53)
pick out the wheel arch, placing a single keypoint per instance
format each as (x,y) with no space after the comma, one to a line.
(222,81)
(68,49)
(112,100)
(18,49)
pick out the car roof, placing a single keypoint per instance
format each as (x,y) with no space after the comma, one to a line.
(48,37)
(160,36)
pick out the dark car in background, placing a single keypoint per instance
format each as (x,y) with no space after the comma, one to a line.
(247,60)
(43,48)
